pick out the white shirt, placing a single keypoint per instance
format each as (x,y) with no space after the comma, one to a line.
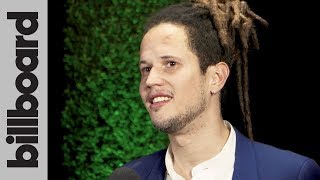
(219,167)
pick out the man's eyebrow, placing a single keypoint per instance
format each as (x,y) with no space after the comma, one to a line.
(142,62)
(166,57)
(170,57)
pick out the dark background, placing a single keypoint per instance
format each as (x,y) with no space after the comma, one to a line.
(56,85)
(283,80)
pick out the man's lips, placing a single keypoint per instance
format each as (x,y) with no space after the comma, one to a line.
(157,100)
(158,104)
(151,97)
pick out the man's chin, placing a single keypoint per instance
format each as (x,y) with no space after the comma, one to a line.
(165,126)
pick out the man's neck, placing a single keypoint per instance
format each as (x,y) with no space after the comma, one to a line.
(199,141)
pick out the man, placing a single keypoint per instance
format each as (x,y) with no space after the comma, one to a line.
(185,59)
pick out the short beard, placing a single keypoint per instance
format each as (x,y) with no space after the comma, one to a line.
(175,124)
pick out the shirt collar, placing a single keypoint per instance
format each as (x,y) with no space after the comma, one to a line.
(220,163)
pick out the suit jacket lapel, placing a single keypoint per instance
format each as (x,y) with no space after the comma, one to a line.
(245,163)
(159,169)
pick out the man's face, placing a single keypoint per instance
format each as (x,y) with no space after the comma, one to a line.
(172,86)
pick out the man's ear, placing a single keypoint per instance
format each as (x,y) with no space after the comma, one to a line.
(218,75)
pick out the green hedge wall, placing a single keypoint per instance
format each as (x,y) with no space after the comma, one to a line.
(104,121)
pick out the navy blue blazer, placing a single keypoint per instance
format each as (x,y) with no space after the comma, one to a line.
(253,160)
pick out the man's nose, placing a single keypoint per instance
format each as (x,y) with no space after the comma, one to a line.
(154,78)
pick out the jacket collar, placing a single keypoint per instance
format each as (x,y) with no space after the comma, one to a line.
(244,166)
(245,163)
(159,169)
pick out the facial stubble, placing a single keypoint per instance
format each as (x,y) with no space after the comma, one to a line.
(178,122)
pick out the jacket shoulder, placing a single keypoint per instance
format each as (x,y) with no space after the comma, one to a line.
(275,161)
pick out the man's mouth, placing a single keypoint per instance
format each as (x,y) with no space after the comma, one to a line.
(158,100)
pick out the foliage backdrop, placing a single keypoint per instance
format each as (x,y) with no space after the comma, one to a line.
(104,121)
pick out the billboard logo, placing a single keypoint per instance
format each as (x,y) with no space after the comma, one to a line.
(22,122)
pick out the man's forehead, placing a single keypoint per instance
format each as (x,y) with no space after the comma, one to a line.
(162,41)
(165,32)
(162,35)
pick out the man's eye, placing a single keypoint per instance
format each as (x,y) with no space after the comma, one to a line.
(171,63)
(146,69)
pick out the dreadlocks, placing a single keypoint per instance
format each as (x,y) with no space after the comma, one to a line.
(218,30)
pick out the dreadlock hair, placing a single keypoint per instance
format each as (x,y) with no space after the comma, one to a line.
(217,30)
